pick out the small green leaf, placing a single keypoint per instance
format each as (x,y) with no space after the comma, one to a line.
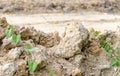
(8,32)
(118,57)
(96,33)
(109,54)
(27,51)
(118,64)
(16,38)
(103,43)
(50,71)
(107,47)
(32,65)
(28,47)
(118,49)
(113,62)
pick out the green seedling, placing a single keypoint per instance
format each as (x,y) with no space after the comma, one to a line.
(32,65)
(16,38)
(103,43)
(106,47)
(113,62)
(50,71)
(118,64)
(8,33)
(28,47)
(116,59)
(118,49)
(96,33)
(109,54)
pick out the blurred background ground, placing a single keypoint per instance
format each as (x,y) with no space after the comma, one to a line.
(49,15)
(58,6)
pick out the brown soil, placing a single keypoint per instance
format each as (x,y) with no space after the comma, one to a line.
(67,49)
(55,6)
(77,53)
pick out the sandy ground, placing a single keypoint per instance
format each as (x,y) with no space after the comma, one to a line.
(29,13)
(57,6)
(57,22)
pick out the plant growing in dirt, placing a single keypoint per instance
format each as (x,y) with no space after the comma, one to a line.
(9,31)
(96,33)
(110,52)
(106,47)
(116,59)
(32,65)
(28,47)
(16,38)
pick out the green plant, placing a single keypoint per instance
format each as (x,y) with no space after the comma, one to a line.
(28,47)
(116,59)
(106,47)
(32,65)
(50,71)
(118,49)
(113,62)
(16,38)
(96,33)
(8,32)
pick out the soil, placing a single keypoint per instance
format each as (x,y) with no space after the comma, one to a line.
(50,22)
(61,54)
(60,41)
(57,6)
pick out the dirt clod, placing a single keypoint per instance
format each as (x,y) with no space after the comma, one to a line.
(78,53)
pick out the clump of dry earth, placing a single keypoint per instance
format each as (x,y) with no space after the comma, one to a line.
(77,53)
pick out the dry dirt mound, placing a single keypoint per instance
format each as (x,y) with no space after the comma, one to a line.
(27,52)
(45,6)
